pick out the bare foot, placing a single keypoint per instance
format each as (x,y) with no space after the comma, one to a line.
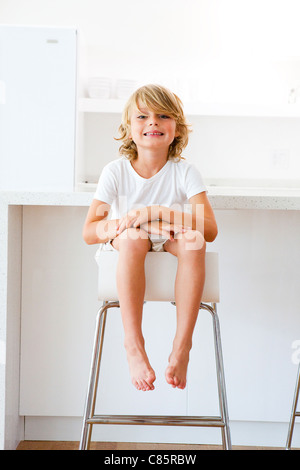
(177,368)
(142,374)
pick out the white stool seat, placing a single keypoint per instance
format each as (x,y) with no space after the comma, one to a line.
(161,268)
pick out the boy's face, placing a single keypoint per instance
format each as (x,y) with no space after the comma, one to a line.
(152,130)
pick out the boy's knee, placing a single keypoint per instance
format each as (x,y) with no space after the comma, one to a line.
(133,234)
(191,240)
(135,237)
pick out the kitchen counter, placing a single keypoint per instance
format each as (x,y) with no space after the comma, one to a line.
(221,197)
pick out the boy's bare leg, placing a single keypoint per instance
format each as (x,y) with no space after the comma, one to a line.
(133,245)
(188,292)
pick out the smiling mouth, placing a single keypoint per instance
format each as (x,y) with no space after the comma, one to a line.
(153,133)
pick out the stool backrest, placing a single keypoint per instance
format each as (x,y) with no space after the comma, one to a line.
(160,271)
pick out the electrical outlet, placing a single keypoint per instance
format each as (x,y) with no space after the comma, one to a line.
(280,159)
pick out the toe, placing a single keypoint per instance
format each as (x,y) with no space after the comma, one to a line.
(137,385)
(182,385)
(145,386)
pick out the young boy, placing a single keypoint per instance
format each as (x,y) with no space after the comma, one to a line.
(147,190)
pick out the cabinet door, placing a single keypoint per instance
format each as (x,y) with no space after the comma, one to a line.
(58,311)
(59,307)
(37,110)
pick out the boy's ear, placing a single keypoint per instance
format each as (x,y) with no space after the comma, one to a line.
(177,133)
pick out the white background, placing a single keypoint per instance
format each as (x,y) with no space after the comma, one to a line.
(223,52)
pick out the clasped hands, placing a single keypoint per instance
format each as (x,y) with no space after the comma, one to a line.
(151,219)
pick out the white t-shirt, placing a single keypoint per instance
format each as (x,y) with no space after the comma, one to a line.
(124,189)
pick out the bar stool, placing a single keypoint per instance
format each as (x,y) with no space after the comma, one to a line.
(159,287)
(294,413)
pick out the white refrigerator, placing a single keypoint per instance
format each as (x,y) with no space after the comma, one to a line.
(38,68)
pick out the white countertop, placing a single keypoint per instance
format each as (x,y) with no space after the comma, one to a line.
(221,197)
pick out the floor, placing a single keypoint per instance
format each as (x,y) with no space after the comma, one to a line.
(68,445)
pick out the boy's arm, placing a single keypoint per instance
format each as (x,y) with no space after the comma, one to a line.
(160,227)
(137,217)
(202,217)
(96,228)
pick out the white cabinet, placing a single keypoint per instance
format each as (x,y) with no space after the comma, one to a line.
(258,312)
(38,69)
(59,282)
(59,306)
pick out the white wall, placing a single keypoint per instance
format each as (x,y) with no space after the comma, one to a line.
(236,50)
(210,51)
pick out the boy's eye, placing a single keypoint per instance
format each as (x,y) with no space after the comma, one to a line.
(161,116)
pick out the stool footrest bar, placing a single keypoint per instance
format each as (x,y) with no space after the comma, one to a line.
(207,421)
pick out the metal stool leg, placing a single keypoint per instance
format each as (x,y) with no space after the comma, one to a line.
(294,412)
(212,421)
(94,375)
(226,437)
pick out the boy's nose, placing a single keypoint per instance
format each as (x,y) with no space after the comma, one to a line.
(153,121)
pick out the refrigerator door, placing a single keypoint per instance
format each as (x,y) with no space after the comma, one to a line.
(37,108)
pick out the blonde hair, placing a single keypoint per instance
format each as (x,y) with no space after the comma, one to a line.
(159,100)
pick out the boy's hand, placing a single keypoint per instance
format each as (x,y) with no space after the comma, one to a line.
(159,227)
(135,218)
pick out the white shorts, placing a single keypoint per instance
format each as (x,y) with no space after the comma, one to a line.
(157,244)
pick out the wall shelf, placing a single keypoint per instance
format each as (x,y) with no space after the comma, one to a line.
(93,105)
(89,105)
